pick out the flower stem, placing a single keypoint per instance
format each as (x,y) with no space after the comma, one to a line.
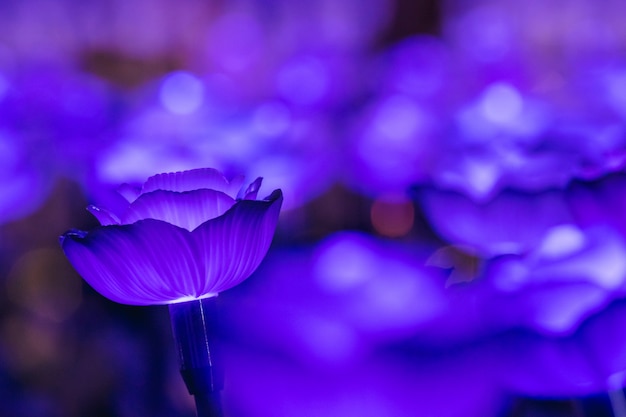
(195,333)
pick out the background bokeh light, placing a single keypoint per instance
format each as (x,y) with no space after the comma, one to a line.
(453,234)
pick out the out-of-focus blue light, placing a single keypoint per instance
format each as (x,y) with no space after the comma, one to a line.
(303,81)
(278,169)
(4,86)
(605,265)
(616,90)
(513,275)
(381,286)
(482,176)
(557,313)
(501,103)
(398,119)
(389,299)
(181,93)
(327,338)
(236,41)
(396,136)
(343,263)
(126,163)
(8,152)
(617,380)
(561,241)
(271,119)
(485,33)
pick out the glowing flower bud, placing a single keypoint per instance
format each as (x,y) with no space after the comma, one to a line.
(184,236)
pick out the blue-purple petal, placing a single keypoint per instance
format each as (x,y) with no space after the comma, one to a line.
(253,189)
(104,216)
(187,209)
(129,192)
(232,246)
(148,262)
(204,178)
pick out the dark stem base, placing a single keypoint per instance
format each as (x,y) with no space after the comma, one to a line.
(194,326)
(209,406)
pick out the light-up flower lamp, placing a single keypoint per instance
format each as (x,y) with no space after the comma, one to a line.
(184,238)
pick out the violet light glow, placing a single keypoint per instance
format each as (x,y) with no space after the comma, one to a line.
(184,236)
(192,123)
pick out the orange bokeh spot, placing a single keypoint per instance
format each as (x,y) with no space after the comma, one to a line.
(392,216)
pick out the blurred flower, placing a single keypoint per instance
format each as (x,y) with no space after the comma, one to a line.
(188,121)
(567,277)
(395,385)
(359,299)
(540,98)
(590,360)
(354,293)
(307,52)
(513,222)
(49,113)
(393,138)
(184,236)
(600,203)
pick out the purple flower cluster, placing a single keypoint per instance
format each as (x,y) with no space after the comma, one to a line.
(452,239)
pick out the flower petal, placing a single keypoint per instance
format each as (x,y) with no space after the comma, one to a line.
(232,246)
(148,262)
(129,192)
(104,216)
(205,178)
(253,189)
(187,210)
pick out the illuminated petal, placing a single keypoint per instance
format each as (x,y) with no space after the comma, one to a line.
(104,216)
(205,178)
(232,246)
(148,262)
(253,189)
(129,192)
(187,210)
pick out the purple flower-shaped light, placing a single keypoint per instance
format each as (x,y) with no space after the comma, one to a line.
(184,236)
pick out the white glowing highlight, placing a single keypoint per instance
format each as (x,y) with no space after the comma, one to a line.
(601,264)
(343,265)
(181,93)
(607,266)
(501,104)
(192,298)
(561,241)
(482,176)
